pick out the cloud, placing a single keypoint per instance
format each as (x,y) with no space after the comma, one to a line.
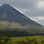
(40,4)
(39,19)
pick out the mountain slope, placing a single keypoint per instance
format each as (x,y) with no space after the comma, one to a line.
(8,13)
(14,23)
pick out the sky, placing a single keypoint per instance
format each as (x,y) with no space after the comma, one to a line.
(34,9)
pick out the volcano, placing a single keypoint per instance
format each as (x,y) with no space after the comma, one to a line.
(8,13)
(12,20)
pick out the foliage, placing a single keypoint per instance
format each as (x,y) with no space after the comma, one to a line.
(22,40)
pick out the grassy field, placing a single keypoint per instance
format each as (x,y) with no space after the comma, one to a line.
(22,40)
(32,39)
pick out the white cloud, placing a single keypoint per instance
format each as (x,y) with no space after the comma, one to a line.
(40,4)
(37,18)
(41,18)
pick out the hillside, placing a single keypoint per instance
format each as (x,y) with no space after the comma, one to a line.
(14,23)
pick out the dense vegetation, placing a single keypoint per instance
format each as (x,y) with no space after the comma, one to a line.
(16,29)
(22,40)
(18,33)
(13,33)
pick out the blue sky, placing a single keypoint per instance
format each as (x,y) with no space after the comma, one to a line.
(34,9)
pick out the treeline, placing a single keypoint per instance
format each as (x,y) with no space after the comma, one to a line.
(17,33)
